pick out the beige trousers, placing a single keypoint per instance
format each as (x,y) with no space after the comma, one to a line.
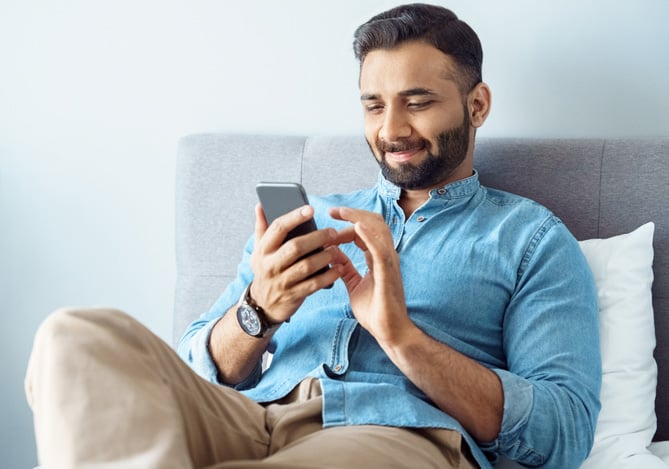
(107,393)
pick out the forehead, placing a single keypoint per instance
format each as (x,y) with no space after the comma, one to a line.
(409,65)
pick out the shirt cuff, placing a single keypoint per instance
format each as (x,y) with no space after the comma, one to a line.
(198,356)
(518,401)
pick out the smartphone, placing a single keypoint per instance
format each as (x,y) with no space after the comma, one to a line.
(279,198)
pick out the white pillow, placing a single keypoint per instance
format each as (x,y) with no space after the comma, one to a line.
(622,268)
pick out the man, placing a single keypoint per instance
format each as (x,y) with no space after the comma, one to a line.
(464,325)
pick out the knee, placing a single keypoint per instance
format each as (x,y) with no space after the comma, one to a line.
(64,341)
(74,327)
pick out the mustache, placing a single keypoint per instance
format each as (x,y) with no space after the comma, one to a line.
(401,145)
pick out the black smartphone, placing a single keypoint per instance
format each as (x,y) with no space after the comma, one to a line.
(279,198)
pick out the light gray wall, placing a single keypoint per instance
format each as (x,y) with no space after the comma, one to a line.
(95,94)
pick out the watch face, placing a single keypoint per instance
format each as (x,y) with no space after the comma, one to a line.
(249,320)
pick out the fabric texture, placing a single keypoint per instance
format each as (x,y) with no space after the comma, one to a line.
(106,392)
(506,266)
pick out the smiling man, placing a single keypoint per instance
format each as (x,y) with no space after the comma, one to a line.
(464,325)
(417,116)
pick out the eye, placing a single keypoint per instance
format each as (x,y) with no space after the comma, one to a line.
(418,105)
(373,108)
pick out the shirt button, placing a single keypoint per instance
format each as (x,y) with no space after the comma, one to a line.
(338,368)
(420,219)
(441,191)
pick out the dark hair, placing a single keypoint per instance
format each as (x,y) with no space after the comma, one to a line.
(432,24)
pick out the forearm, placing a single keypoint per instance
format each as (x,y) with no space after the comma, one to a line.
(458,385)
(234,352)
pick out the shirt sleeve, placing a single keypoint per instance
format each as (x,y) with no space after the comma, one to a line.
(193,346)
(551,338)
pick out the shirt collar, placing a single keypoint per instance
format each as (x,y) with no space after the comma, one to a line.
(458,189)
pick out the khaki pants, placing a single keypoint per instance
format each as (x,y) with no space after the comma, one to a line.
(107,393)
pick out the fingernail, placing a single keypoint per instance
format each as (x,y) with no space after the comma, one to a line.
(305,211)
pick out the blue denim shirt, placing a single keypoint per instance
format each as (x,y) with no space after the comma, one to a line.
(493,275)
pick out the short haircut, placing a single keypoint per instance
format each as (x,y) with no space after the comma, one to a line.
(431,24)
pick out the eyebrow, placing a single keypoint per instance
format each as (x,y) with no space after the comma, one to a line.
(417,92)
(404,94)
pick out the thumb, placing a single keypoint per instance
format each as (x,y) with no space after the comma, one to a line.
(261,223)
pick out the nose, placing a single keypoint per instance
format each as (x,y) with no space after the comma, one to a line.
(395,125)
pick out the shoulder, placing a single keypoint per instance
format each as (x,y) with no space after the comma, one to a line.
(353,198)
(517,211)
(530,223)
(507,199)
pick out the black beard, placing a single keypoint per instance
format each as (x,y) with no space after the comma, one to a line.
(435,168)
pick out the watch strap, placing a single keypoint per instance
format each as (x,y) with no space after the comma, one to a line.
(267,327)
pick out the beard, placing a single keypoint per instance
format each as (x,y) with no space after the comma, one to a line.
(436,167)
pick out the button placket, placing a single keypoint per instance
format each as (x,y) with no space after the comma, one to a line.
(339,358)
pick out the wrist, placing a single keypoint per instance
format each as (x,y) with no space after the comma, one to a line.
(252,317)
(403,338)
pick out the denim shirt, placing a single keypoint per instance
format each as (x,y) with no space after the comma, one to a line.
(493,275)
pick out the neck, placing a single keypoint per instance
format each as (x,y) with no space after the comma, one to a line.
(411,200)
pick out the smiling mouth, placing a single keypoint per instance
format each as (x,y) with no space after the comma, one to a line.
(403,155)
(401,151)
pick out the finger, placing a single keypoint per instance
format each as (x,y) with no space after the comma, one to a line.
(278,230)
(355,215)
(335,212)
(380,254)
(347,271)
(368,237)
(374,222)
(304,246)
(322,261)
(261,223)
(305,276)
(348,235)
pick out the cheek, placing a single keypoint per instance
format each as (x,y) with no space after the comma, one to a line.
(371,133)
(371,125)
(437,124)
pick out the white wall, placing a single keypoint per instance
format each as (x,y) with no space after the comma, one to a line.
(95,94)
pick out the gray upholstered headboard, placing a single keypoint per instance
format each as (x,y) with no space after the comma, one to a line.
(599,188)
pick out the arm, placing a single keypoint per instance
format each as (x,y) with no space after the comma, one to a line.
(542,408)
(461,387)
(458,385)
(282,279)
(551,338)
(234,353)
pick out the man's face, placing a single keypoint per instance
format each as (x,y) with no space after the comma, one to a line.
(416,118)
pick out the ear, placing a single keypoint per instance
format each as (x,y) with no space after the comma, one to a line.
(478,104)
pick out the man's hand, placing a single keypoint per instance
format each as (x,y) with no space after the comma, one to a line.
(377,299)
(282,274)
(282,281)
(458,385)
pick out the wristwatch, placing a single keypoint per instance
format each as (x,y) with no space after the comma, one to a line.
(251,317)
